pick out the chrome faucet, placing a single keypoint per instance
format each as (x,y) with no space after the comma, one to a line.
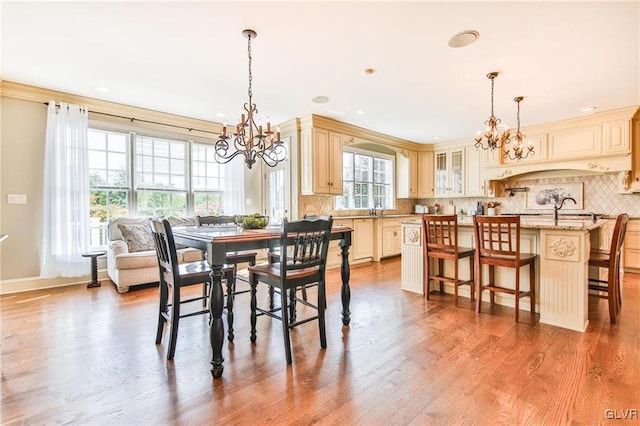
(558,205)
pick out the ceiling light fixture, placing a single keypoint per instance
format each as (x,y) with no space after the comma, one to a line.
(320,100)
(249,139)
(519,152)
(464,38)
(588,109)
(494,140)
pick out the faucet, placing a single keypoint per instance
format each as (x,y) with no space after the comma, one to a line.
(558,205)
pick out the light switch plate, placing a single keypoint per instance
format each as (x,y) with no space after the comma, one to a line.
(17,199)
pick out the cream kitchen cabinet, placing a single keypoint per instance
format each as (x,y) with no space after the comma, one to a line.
(321,162)
(388,237)
(362,242)
(449,173)
(631,259)
(424,176)
(474,183)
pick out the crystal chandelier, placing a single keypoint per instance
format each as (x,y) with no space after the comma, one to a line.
(520,151)
(249,138)
(494,140)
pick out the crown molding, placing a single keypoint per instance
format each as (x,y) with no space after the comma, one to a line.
(36,94)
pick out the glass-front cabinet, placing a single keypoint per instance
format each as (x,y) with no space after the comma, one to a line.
(449,173)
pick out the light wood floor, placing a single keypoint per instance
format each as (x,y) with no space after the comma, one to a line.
(87,356)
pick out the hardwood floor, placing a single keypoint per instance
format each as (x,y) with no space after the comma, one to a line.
(87,356)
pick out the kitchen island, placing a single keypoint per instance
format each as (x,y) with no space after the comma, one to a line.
(562,266)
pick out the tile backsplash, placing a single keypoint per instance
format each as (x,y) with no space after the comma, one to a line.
(600,196)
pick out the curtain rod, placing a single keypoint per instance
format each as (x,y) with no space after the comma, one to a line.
(132,119)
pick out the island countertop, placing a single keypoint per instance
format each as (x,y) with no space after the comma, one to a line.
(535,222)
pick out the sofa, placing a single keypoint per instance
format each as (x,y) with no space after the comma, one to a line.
(131,254)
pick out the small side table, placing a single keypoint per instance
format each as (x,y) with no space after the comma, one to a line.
(94,255)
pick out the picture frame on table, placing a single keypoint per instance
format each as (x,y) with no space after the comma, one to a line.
(543,197)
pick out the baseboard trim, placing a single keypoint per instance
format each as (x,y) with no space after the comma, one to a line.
(36,283)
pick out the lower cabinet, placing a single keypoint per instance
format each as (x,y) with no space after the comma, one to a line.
(362,240)
(631,261)
(388,237)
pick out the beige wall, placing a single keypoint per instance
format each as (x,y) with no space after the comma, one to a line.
(22,159)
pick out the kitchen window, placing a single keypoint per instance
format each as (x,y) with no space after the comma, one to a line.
(367,180)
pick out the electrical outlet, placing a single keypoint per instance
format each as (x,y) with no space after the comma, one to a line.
(17,199)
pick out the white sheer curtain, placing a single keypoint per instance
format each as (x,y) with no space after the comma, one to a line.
(234,186)
(65,224)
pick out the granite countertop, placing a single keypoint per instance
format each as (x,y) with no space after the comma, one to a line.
(383,216)
(535,222)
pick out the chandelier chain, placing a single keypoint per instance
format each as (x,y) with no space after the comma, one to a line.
(492,81)
(250,75)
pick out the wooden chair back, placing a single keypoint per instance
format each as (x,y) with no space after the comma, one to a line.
(497,236)
(165,250)
(215,220)
(440,232)
(306,243)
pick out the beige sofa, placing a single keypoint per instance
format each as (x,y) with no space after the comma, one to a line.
(131,257)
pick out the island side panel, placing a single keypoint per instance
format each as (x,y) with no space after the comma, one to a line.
(564,272)
(412,257)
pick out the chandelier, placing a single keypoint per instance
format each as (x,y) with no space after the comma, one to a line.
(250,139)
(519,152)
(494,140)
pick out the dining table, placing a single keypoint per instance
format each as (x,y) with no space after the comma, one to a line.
(217,241)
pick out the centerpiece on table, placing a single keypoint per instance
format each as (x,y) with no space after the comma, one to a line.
(252,221)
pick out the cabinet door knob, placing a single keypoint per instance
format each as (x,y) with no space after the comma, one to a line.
(395,233)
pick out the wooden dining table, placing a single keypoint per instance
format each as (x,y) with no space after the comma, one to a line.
(217,241)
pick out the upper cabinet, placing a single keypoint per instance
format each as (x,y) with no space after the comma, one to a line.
(425,175)
(414,175)
(449,173)
(321,162)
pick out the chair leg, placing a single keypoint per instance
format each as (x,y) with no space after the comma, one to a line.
(253,282)
(175,320)
(472,277)
(292,305)
(441,272)
(231,284)
(426,281)
(492,281)
(455,282)
(164,298)
(205,292)
(532,286)
(322,303)
(478,286)
(271,294)
(304,293)
(517,294)
(285,324)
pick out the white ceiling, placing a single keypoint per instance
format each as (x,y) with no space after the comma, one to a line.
(191,59)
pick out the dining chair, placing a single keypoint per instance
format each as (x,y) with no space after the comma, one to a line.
(497,241)
(173,277)
(232,258)
(304,244)
(610,288)
(441,243)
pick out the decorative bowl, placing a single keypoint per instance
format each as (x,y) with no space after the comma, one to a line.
(253,221)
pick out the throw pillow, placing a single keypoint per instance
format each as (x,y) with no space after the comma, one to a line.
(138,237)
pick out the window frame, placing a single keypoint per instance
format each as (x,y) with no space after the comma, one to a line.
(338,204)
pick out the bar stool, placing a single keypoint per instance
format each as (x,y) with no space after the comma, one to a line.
(610,260)
(495,246)
(441,243)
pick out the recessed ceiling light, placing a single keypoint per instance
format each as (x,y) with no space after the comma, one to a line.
(101,89)
(220,114)
(587,109)
(360,112)
(367,72)
(320,99)
(436,138)
(464,38)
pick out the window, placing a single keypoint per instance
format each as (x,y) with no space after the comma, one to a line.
(367,180)
(208,180)
(138,175)
(108,181)
(161,177)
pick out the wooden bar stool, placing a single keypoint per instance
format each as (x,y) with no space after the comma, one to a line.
(610,260)
(498,244)
(441,243)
